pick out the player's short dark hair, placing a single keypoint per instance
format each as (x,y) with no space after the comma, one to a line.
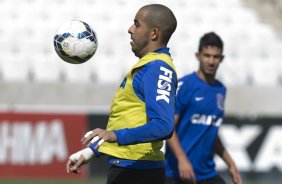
(210,39)
(163,18)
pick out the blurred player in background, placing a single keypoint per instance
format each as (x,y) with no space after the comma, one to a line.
(199,114)
(142,111)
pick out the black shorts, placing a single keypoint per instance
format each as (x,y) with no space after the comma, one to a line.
(215,180)
(121,175)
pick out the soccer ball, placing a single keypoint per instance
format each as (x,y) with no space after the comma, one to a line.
(75,42)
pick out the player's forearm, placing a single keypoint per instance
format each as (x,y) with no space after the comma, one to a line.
(154,130)
(227,159)
(174,143)
(176,148)
(223,153)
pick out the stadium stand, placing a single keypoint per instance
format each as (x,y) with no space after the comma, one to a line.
(30,27)
(270,11)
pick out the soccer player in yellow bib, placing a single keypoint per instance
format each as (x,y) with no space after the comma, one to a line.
(142,111)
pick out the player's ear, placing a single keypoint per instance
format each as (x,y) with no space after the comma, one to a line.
(155,33)
(197,55)
(221,59)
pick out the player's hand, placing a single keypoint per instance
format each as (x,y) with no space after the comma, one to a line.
(78,159)
(236,177)
(186,172)
(99,135)
(74,167)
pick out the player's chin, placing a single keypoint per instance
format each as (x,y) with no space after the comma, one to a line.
(135,51)
(210,71)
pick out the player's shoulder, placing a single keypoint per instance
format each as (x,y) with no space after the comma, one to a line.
(188,78)
(157,64)
(220,84)
(188,82)
(159,67)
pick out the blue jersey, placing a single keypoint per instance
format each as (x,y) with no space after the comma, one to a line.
(200,107)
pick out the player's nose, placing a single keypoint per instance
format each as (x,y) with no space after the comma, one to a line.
(130,29)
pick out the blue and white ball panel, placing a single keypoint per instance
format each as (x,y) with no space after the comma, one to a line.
(75,42)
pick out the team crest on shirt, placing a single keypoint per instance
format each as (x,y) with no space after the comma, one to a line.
(220,101)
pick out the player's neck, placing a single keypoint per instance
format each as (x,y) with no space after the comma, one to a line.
(208,78)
